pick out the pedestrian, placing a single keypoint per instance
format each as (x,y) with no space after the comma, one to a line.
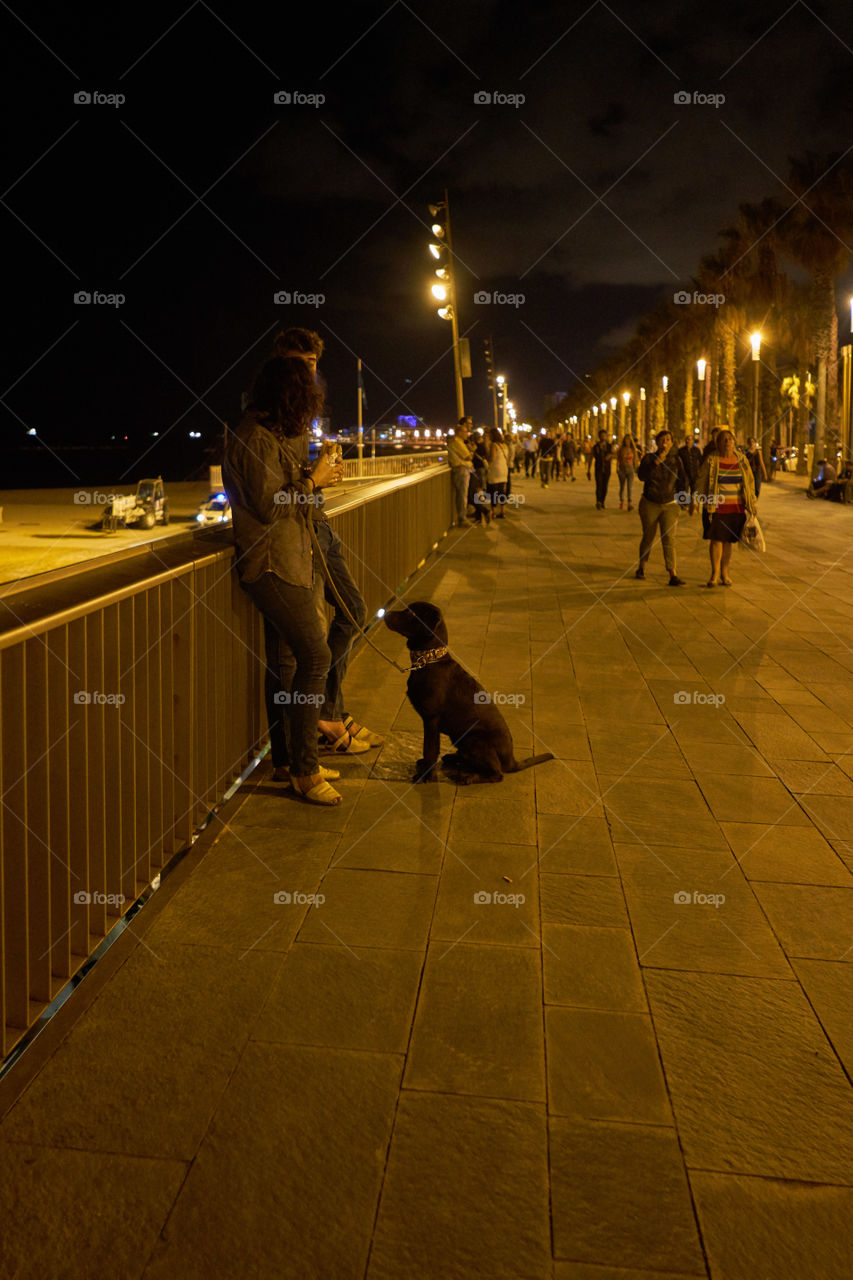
(663,476)
(627,462)
(756,462)
(497,474)
(570,454)
(270,486)
(459,462)
(602,455)
(529,455)
(518,458)
(727,491)
(587,454)
(711,446)
(691,459)
(546,458)
(480,463)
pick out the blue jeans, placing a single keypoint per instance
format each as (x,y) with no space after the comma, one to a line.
(459,476)
(298,655)
(342,632)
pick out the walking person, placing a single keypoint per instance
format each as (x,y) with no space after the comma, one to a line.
(546,459)
(529,455)
(459,462)
(756,462)
(480,494)
(602,455)
(691,459)
(627,462)
(497,473)
(726,489)
(570,454)
(663,477)
(587,455)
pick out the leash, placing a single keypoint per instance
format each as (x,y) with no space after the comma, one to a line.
(362,631)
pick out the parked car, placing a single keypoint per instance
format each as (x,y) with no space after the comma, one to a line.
(217,510)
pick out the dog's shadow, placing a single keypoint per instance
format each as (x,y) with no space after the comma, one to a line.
(397,760)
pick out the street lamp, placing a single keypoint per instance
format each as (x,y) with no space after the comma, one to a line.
(701,366)
(503,391)
(665,385)
(755,340)
(444,290)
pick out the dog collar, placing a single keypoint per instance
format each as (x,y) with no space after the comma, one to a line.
(423,657)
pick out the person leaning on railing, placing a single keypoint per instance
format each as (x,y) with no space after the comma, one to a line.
(270,487)
(459,461)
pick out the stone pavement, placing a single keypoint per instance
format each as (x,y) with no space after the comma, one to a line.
(592,1023)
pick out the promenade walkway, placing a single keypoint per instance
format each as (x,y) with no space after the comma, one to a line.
(593,1023)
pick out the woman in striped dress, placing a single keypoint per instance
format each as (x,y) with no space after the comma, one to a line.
(726,488)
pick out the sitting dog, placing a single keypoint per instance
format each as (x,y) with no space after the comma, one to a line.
(451,701)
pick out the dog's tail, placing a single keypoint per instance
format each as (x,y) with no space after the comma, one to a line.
(529,762)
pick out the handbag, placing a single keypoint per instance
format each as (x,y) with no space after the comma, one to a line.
(752,537)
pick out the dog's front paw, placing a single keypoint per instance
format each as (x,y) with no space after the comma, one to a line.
(425,772)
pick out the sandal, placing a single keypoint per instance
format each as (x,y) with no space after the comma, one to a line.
(712,583)
(281,773)
(363,735)
(345,745)
(727,582)
(320,793)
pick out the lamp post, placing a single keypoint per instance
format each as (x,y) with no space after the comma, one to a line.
(665,384)
(643,417)
(503,390)
(755,340)
(701,366)
(613,403)
(626,400)
(444,290)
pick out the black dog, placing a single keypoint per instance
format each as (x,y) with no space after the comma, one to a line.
(450,701)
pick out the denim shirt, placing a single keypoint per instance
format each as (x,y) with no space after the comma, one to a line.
(272,502)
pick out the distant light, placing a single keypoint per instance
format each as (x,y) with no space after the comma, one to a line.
(435,250)
(438,230)
(32,431)
(398,434)
(426,434)
(194,435)
(380,613)
(155,433)
(701,365)
(445,313)
(418,435)
(755,339)
(439,292)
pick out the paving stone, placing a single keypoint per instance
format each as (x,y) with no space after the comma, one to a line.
(829,987)
(569,788)
(604,1066)
(778,737)
(575,845)
(585,900)
(589,1271)
(755,1087)
(486,889)
(725,758)
(679,921)
(731,799)
(473,1205)
(119,1081)
(372,908)
(833,815)
(397,828)
(479,810)
(620,1197)
(259,906)
(679,831)
(65,1212)
(814,778)
(761,1227)
(632,798)
(344,997)
(796,855)
(592,968)
(292,1165)
(478,1024)
(810,920)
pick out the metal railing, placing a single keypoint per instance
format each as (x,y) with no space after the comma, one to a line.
(404,465)
(131,698)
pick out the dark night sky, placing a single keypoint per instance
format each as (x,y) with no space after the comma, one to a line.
(594,199)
